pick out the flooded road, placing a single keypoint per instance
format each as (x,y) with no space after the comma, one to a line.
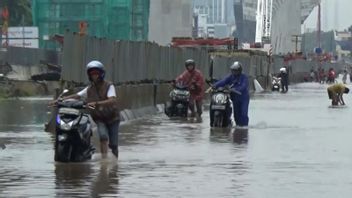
(296,146)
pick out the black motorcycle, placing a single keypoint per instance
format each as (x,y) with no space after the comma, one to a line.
(220,107)
(178,106)
(73,132)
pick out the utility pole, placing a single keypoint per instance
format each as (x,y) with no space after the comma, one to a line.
(4,28)
(296,39)
(319,27)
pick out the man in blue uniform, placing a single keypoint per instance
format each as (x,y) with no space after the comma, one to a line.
(239,93)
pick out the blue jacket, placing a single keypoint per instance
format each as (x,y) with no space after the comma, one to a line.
(239,83)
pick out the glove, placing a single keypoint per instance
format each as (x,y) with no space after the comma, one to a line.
(210,89)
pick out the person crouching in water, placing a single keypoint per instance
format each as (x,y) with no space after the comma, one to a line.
(335,93)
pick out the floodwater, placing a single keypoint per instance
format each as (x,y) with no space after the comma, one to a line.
(296,146)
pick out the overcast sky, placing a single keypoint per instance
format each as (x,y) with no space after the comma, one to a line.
(336,14)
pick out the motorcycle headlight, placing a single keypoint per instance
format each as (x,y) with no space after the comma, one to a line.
(219,98)
(66,126)
(58,120)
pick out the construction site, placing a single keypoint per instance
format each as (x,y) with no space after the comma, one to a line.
(269,28)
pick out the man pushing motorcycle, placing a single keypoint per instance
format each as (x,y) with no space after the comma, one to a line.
(194,80)
(100,95)
(238,82)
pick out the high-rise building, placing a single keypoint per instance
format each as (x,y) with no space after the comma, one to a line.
(219,17)
(287,17)
(169,18)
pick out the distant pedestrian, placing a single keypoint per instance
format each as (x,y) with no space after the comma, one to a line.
(284,79)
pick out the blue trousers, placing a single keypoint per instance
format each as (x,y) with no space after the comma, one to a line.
(240,110)
(109,132)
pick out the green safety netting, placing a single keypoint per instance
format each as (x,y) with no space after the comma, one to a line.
(114,19)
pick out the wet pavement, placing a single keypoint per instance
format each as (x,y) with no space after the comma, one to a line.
(296,146)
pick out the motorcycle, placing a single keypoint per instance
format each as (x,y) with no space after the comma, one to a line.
(178,106)
(276,83)
(73,132)
(220,107)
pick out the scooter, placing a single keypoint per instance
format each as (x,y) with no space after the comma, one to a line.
(276,83)
(73,132)
(220,107)
(179,101)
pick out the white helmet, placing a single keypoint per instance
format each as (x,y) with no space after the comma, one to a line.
(283,70)
(236,66)
(96,65)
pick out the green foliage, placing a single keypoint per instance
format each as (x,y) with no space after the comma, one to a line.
(20,12)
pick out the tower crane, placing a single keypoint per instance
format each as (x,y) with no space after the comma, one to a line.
(263,21)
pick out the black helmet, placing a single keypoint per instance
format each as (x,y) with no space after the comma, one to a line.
(190,62)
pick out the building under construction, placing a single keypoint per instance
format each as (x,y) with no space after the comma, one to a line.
(115,19)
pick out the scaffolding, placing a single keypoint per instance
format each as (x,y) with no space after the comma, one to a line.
(113,19)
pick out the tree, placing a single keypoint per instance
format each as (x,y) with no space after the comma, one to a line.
(20,12)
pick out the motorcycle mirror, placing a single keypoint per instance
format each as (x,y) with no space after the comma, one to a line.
(63,92)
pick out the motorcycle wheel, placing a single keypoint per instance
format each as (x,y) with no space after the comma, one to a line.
(63,152)
(218,121)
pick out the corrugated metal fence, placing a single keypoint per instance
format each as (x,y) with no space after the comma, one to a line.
(127,60)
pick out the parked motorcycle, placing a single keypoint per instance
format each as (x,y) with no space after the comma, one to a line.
(179,101)
(220,107)
(73,132)
(276,83)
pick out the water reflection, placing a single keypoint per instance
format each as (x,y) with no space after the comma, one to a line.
(223,135)
(240,136)
(71,176)
(14,112)
(97,178)
(106,183)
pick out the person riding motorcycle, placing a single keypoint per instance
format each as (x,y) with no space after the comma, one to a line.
(284,79)
(194,80)
(335,93)
(238,82)
(100,95)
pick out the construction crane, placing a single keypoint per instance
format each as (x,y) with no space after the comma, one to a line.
(263,20)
